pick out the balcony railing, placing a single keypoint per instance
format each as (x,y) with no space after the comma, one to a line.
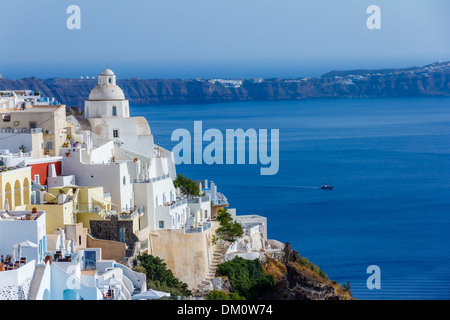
(178,203)
(205,226)
(219,202)
(199,200)
(152,180)
(34,130)
(129,216)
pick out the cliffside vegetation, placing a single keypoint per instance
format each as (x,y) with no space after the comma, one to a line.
(288,276)
(187,186)
(159,277)
(229,230)
(247,277)
(220,295)
(299,279)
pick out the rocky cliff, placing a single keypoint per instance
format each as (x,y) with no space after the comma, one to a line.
(298,279)
(430,80)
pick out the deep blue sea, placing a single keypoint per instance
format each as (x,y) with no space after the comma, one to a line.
(389,160)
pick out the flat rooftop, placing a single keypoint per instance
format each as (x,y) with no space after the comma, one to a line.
(39,108)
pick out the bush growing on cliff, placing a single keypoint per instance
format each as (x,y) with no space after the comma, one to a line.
(305,262)
(247,277)
(220,295)
(160,278)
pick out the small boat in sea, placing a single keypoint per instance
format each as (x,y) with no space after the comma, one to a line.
(327,187)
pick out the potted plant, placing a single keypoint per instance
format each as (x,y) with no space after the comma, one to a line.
(48,258)
(67,153)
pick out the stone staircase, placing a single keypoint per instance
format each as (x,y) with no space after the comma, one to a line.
(36,282)
(218,257)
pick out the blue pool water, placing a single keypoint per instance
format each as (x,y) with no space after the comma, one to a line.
(389,160)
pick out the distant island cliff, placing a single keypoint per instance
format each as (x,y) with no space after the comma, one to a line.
(430,80)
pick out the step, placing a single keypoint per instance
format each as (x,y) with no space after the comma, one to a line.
(35,282)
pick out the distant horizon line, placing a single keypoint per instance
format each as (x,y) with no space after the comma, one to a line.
(228,77)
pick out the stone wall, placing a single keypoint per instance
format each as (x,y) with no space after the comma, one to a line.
(109,230)
(187,255)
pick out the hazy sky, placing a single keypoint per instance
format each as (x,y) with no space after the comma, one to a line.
(211,38)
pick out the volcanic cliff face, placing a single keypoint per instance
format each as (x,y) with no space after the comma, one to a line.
(298,279)
(431,80)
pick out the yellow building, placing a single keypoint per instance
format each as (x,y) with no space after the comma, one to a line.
(91,203)
(15,188)
(70,205)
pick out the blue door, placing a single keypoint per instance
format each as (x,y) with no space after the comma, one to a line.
(89,260)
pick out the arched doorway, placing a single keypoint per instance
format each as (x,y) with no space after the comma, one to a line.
(17,194)
(46,295)
(26,191)
(8,196)
(70,294)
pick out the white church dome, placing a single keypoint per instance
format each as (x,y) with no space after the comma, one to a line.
(106,88)
(107,72)
(106,92)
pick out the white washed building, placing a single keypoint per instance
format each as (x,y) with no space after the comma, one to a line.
(117,151)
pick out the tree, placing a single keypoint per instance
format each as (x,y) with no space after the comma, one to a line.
(229,229)
(187,186)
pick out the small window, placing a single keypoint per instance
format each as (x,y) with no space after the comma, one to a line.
(36,178)
(79,240)
(6,117)
(115,133)
(33,125)
(50,145)
(161,224)
(124,180)
(114,111)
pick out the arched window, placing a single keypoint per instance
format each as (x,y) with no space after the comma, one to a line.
(114,111)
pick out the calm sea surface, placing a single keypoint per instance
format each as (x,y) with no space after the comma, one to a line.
(389,160)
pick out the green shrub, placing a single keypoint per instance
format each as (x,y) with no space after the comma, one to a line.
(247,277)
(220,295)
(305,262)
(138,269)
